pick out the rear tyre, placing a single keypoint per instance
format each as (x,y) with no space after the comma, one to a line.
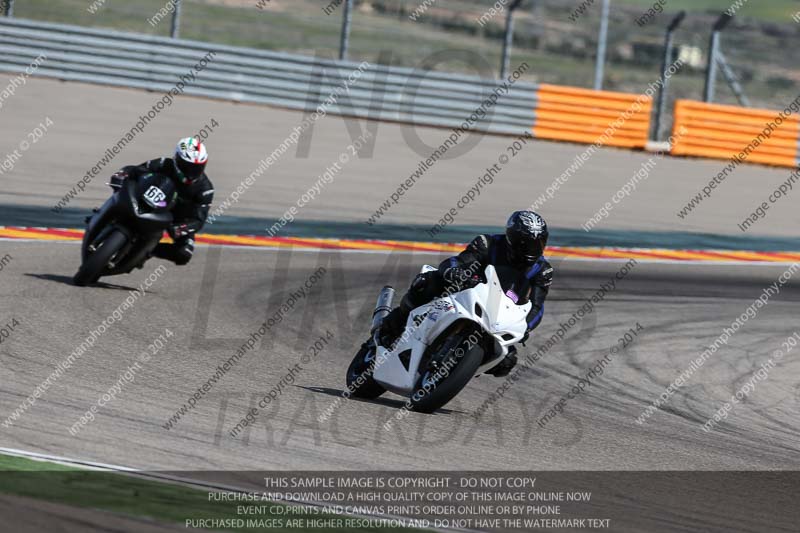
(359,374)
(92,268)
(438,385)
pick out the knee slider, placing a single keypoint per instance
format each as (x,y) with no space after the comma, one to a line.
(184,253)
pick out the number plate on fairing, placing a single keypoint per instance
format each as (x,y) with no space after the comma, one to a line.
(155,197)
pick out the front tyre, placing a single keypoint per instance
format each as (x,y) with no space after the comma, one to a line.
(440,383)
(359,374)
(92,268)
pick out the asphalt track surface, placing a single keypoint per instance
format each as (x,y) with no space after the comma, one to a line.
(89,119)
(215,303)
(682,310)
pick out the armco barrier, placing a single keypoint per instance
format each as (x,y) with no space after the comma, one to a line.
(294,81)
(279,79)
(585,115)
(725,132)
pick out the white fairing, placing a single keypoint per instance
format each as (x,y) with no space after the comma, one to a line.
(485,304)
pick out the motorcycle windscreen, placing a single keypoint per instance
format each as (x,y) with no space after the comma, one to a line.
(495,309)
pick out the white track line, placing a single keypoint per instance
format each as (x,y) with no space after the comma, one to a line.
(89,465)
(105,467)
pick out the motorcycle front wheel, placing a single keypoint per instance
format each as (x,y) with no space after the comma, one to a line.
(359,374)
(460,356)
(92,268)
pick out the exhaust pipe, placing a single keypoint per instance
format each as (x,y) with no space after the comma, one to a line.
(382,308)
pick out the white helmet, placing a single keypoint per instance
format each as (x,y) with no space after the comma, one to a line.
(190,159)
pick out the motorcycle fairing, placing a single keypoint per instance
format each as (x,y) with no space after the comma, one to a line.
(123,212)
(485,305)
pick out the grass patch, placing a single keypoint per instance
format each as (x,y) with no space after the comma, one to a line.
(132,496)
(772,10)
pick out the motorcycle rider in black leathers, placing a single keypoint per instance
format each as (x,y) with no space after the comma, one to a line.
(524,273)
(195,194)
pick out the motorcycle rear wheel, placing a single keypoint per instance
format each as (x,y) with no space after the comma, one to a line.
(92,268)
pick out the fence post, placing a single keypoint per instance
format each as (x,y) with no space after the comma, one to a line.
(713,52)
(347,20)
(602,44)
(733,81)
(176,20)
(661,105)
(508,40)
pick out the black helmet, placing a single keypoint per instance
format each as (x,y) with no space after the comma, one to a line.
(526,235)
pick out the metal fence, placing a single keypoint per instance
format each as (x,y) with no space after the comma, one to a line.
(278,79)
(561,39)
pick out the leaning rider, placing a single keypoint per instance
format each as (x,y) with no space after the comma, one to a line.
(195,193)
(518,257)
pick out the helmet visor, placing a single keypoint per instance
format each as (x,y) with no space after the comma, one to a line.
(526,248)
(190,171)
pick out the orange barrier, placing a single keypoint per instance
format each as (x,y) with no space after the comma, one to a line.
(726,132)
(589,116)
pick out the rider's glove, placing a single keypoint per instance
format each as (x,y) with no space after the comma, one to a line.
(117,178)
(180,230)
(458,276)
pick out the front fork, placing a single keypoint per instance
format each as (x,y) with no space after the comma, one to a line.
(104,233)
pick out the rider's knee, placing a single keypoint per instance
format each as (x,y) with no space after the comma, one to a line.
(421,291)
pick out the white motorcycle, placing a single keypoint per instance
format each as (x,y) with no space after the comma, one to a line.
(445,344)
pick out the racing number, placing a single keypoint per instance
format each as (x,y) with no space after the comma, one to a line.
(154,196)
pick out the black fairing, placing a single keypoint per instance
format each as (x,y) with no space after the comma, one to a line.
(142,222)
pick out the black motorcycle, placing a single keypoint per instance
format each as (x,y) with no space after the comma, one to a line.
(122,234)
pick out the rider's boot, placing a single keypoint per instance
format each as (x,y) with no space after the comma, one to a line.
(140,264)
(504,367)
(423,289)
(392,326)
